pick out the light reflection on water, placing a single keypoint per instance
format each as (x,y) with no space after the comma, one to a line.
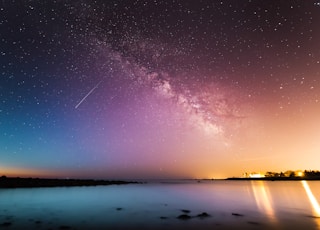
(263,199)
(313,201)
(255,204)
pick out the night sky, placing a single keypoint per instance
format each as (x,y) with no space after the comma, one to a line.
(158,89)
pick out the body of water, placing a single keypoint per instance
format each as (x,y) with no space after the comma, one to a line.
(205,205)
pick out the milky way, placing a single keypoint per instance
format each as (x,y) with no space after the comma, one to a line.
(158,89)
(204,104)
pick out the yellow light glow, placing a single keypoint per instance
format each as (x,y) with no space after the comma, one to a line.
(300,174)
(256,175)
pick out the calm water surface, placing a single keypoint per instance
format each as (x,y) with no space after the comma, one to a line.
(230,204)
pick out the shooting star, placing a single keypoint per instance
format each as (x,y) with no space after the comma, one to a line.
(88,94)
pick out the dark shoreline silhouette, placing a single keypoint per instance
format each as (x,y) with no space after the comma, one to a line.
(275,178)
(289,175)
(17,182)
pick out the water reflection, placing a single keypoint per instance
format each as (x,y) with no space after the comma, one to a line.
(313,201)
(260,205)
(263,199)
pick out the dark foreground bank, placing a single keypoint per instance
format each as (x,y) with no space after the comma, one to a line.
(17,182)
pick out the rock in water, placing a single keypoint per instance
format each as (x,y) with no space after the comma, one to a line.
(184,217)
(185,210)
(203,215)
(236,214)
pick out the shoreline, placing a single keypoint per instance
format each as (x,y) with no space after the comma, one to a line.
(275,178)
(19,182)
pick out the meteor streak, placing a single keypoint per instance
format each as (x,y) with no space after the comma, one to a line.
(88,94)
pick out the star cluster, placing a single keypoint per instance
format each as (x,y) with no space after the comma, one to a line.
(145,89)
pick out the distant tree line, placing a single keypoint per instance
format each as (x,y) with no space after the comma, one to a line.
(17,182)
(290,173)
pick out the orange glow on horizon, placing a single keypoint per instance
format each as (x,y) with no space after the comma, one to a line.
(25,172)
